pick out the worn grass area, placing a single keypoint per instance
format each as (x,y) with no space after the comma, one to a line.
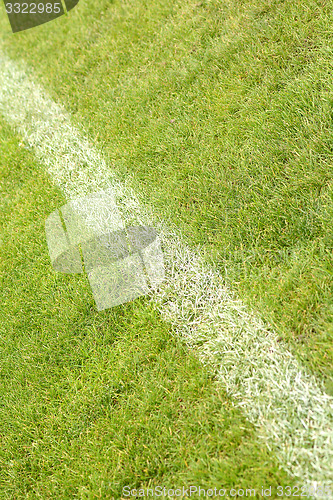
(222,112)
(91,402)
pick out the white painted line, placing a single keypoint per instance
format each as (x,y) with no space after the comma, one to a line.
(292,413)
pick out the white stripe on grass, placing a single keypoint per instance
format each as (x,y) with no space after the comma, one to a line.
(289,407)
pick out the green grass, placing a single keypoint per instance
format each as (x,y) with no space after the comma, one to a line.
(222,112)
(91,402)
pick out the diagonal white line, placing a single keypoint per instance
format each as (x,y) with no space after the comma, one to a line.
(292,413)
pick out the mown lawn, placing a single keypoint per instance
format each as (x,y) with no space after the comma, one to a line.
(91,402)
(222,113)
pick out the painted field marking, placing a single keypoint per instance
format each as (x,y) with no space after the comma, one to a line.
(289,407)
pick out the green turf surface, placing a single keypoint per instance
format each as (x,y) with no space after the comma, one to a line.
(91,402)
(222,111)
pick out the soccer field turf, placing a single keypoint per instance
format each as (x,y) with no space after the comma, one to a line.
(219,113)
